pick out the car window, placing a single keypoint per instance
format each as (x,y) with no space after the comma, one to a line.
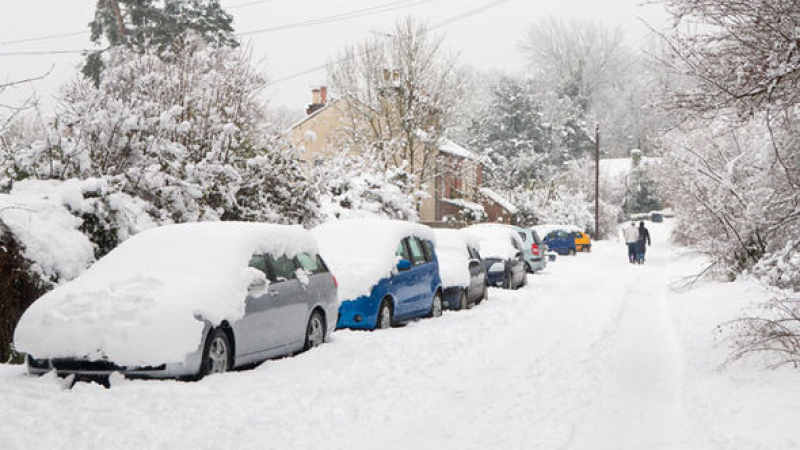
(522,236)
(282,267)
(515,244)
(417,254)
(428,247)
(311,264)
(473,253)
(258,262)
(552,235)
(402,250)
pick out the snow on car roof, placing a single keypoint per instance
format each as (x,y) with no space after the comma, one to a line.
(545,229)
(360,252)
(139,305)
(495,240)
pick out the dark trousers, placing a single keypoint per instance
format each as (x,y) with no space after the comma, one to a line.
(632,251)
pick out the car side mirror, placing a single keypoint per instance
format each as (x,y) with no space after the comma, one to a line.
(403,265)
(518,256)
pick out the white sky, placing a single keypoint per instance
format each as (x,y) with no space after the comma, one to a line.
(486,40)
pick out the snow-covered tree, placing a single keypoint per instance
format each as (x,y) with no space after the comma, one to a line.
(184,132)
(400,93)
(362,185)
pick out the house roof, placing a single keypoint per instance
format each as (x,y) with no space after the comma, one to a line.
(499,199)
(465,204)
(311,116)
(451,148)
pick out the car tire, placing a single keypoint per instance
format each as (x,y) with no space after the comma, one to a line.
(315,331)
(384,315)
(485,295)
(571,252)
(217,353)
(463,300)
(436,306)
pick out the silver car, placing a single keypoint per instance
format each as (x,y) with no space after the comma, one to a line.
(290,304)
(533,249)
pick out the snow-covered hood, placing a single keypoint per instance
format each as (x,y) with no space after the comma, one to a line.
(140,304)
(360,252)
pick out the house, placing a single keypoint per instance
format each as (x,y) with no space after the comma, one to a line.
(456,193)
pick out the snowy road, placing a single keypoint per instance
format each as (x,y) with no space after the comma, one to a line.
(593,354)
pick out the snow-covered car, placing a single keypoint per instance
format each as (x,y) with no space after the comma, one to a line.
(501,248)
(388,271)
(533,249)
(564,239)
(461,268)
(185,301)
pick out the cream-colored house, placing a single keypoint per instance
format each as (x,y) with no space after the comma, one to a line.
(454,194)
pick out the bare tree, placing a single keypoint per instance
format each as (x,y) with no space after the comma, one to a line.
(400,93)
(744,56)
(578,58)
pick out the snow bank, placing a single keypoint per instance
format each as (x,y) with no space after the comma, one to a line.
(451,250)
(360,252)
(36,213)
(495,240)
(139,304)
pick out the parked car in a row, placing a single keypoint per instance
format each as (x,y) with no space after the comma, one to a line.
(185,301)
(533,249)
(387,269)
(564,239)
(501,248)
(461,267)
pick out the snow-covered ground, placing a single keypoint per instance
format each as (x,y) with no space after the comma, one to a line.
(594,353)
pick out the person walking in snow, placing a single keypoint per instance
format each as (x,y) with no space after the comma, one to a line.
(631,235)
(644,237)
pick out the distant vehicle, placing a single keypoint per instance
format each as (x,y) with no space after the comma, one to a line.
(185,301)
(583,243)
(461,268)
(533,249)
(388,271)
(564,239)
(501,248)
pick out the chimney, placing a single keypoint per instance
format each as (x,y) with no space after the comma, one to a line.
(319,96)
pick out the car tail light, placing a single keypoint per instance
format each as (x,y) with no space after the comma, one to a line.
(535,249)
(335,282)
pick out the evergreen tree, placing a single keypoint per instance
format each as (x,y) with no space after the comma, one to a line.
(143,24)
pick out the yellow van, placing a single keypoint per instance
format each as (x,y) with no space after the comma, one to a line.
(582,242)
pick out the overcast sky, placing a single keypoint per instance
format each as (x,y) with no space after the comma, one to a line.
(487,39)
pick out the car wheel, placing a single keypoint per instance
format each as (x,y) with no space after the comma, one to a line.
(384,316)
(315,331)
(436,306)
(463,303)
(217,354)
(572,252)
(485,295)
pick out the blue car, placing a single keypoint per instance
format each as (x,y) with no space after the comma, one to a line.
(387,270)
(559,239)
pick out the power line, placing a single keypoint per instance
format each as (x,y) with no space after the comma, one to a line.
(372,10)
(84,32)
(441,24)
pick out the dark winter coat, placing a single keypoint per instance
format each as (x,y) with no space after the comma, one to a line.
(644,238)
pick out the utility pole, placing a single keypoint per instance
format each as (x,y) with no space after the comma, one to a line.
(596,180)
